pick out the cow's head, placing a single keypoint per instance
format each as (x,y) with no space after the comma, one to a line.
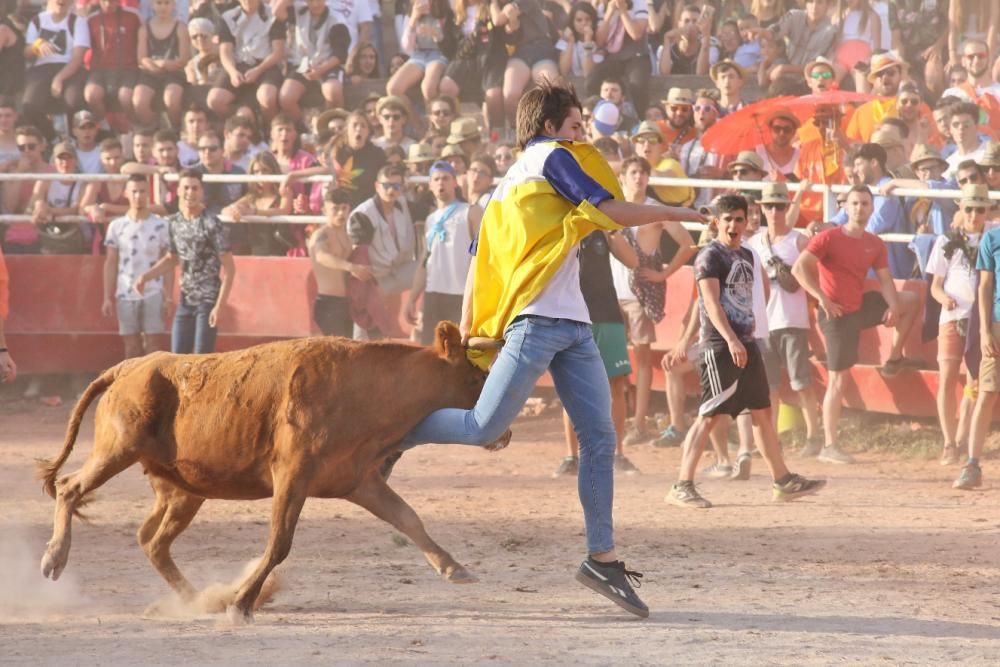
(463,381)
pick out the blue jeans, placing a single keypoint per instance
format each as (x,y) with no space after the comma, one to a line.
(191,332)
(567,350)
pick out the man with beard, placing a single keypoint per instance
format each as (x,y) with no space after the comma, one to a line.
(780,155)
(885,75)
(678,128)
(979,88)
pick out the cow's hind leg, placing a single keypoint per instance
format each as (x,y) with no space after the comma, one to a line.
(172,514)
(289,497)
(103,464)
(375,496)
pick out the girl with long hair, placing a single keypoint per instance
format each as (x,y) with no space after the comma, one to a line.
(430,38)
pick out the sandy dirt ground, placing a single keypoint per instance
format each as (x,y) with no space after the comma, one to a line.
(888,566)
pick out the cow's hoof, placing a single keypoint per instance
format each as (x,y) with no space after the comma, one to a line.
(239,616)
(461,576)
(54,562)
(499,443)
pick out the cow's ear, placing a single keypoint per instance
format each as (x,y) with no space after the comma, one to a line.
(448,341)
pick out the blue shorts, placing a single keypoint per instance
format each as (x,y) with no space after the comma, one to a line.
(425,58)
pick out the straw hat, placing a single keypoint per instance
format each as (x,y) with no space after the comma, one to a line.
(647,129)
(392,101)
(64,148)
(775,193)
(463,129)
(819,62)
(680,96)
(420,152)
(991,155)
(925,152)
(452,150)
(748,159)
(783,114)
(714,71)
(975,194)
(323,120)
(883,61)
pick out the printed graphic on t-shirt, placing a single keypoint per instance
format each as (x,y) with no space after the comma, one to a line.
(57,38)
(733,268)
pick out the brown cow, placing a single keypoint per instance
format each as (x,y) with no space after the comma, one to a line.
(294,419)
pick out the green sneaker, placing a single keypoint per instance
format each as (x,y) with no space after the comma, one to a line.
(684,494)
(796,487)
(970,477)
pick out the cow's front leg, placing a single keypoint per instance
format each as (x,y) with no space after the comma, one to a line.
(375,496)
(290,486)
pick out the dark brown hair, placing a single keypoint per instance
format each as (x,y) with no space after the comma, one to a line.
(547,102)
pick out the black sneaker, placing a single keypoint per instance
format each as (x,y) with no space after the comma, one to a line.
(570,465)
(796,487)
(614,582)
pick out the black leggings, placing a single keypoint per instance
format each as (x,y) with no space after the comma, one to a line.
(37,90)
(634,74)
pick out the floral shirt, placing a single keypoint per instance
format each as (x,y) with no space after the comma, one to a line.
(140,244)
(198,244)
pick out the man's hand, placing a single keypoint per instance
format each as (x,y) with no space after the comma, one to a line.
(410,312)
(831,308)
(888,188)
(237,79)
(361,272)
(44,48)
(251,75)
(738,352)
(988,343)
(649,275)
(107,307)
(891,317)
(8,369)
(213,317)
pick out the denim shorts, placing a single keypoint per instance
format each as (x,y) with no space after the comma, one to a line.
(425,58)
(143,315)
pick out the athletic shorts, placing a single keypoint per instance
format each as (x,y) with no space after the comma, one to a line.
(333,315)
(842,333)
(951,340)
(438,307)
(145,315)
(727,389)
(641,329)
(611,342)
(791,349)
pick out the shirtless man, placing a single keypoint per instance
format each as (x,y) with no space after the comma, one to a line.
(329,248)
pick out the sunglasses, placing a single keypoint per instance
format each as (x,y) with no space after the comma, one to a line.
(821,75)
(974,210)
(212,148)
(909,101)
(391,186)
(392,116)
(741,172)
(776,207)
(886,72)
(783,129)
(704,108)
(973,178)
(647,140)
(678,108)
(26,147)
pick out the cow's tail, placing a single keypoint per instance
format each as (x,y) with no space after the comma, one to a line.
(48,470)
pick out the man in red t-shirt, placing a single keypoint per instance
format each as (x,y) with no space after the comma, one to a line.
(114,63)
(832,269)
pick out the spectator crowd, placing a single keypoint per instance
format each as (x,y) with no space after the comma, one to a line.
(904,94)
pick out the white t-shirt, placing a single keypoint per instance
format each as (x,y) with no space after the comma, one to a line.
(187,154)
(351,13)
(760,325)
(955,159)
(959,278)
(992,89)
(59,35)
(90,161)
(140,245)
(578,54)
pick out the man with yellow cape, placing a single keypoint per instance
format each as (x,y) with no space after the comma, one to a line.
(524,288)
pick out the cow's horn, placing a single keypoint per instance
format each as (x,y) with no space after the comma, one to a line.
(483,343)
